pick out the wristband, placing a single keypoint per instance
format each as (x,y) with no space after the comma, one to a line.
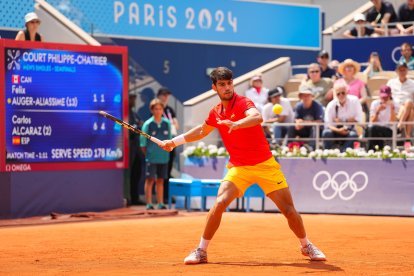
(179,140)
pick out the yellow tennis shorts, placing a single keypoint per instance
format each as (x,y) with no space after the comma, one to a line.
(266,174)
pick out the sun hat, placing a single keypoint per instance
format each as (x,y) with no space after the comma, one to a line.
(347,62)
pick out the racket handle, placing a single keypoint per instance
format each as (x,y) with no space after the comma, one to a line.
(157,141)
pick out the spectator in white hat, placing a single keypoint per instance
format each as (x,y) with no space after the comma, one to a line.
(32,23)
(361,29)
(257,92)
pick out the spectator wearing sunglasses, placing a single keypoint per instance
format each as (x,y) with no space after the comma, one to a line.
(326,70)
(341,111)
(32,23)
(320,87)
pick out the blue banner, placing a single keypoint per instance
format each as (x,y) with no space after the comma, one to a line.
(388,49)
(226,22)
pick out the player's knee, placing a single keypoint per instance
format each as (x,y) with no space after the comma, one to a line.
(289,211)
(220,204)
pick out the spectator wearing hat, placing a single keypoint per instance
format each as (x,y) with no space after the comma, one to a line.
(257,92)
(32,23)
(342,109)
(406,14)
(382,12)
(275,97)
(383,111)
(323,61)
(407,55)
(164,95)
(136,156)
(402,90)
(306,111)
(348,69)
(321,87)
(374,65)
(361,29)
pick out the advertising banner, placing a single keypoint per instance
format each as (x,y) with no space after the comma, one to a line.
(334,186)
(359,49)
(377,187)
(228,22)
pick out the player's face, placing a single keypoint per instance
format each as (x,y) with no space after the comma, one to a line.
(224,89)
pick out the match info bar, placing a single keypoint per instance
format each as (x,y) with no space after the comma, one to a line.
(51,103)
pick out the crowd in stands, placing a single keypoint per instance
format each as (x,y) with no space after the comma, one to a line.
(339,98)
(382,20)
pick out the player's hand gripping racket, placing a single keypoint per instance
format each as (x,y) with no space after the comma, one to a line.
(131,128)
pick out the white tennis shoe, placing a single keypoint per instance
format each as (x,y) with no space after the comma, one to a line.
(313,253)
(198,256)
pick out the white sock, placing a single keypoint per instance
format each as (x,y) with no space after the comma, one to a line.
(203,244)
(304,242)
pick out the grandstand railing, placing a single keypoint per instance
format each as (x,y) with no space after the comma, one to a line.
(393,141)
(360,127)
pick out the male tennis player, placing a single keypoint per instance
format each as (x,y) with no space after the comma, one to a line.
(251,161)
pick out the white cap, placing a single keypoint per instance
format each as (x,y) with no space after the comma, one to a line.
(30,17)
(359,16)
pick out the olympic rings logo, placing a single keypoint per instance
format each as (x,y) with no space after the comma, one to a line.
(393,54)
(339,188)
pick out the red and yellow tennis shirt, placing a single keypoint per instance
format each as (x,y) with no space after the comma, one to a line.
(246,146)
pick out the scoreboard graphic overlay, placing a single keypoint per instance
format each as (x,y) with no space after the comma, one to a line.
(49,111)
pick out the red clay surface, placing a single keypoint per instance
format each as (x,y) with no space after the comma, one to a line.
(246,244)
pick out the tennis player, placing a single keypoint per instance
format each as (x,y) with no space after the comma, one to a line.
(251,161)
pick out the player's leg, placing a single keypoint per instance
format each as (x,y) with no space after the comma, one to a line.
(226,194)
(273,183)
(283,200)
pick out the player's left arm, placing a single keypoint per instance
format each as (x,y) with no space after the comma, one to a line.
(253,118)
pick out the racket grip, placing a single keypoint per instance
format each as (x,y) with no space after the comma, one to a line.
(157,141)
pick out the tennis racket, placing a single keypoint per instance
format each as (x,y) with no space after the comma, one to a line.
(131,128)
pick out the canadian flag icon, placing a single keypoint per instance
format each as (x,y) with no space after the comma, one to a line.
(16,79)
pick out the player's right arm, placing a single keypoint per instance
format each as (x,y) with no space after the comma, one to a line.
(194,134)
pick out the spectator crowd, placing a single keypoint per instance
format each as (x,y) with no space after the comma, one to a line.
(340,101)
(383,20)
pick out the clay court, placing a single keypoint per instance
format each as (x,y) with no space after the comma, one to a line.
(246,244)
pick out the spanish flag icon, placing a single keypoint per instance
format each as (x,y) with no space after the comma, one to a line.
(16,140)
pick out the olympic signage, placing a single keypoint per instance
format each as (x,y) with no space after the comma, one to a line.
(388,49)
(323,182)
(351,186)
(228,22)
(342,186)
